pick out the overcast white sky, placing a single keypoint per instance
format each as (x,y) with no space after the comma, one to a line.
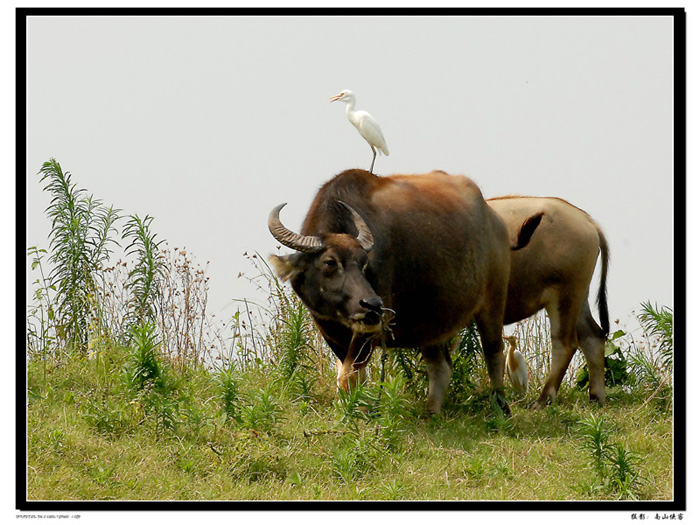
(206,123)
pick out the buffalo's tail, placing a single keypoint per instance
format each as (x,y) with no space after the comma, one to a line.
(602,288)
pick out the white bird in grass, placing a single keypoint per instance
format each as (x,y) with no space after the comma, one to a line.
(365,124)
(516,367)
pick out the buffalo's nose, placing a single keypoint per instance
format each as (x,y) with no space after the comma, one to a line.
(373,303)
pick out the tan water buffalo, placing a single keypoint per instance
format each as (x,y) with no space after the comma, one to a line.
(425,248)
(554,272)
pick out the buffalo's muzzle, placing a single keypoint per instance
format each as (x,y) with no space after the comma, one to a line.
(373,303)
(373,315)
(367,318)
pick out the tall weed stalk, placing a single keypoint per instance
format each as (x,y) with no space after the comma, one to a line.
(182,308)
(40,328)
(80,241)
(144,280)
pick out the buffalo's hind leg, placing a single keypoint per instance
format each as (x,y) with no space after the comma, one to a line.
(439,364)
(592,344)
(562,321)
(492,343)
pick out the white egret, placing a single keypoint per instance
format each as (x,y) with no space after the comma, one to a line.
(516,367)
(365,124)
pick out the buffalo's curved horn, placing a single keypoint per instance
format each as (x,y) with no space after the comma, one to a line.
(364,235)
(301,243)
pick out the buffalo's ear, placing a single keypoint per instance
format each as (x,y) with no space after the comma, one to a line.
(283,266)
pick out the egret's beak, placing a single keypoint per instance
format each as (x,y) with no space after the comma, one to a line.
(333,99)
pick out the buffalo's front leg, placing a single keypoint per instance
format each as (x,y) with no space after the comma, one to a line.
(349,378)
(351,370)
(439,372)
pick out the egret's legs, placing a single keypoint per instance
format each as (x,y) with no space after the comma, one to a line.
(374,156)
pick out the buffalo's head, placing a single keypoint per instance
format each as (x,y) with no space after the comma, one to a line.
(330,272)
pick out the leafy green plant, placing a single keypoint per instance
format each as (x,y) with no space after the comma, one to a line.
(295,340)
(345,464)
(467,365)
(496,419)
(162,409)
(615,466)
(144,366)
(624,476)
(146,376)
(393,414)
(299,388)
(262,412)
(354,457)
(651,360)
(616,364)
(227,383)
(596,434)
(653,365)
(80,240)
(144,279)
(407,361)
(40,329)
(392,490)
(475,468)
(195,418)
(393,403)
(354,405)
(659,323)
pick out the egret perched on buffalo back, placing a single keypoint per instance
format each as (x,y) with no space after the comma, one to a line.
(365,124)
(516,367)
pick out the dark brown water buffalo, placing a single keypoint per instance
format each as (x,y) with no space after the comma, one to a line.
(426,248)
(554,272)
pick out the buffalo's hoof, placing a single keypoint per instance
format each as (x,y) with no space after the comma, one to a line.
(543,401)
(501,402)
(597,400)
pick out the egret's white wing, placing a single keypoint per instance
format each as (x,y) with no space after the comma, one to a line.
(371,132)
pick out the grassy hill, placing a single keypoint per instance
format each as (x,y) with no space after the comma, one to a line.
(134,393)
(249,433)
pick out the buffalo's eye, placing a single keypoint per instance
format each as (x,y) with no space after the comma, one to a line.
(330,263)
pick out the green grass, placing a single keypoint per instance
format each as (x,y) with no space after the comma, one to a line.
(249,411)
(93,436)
